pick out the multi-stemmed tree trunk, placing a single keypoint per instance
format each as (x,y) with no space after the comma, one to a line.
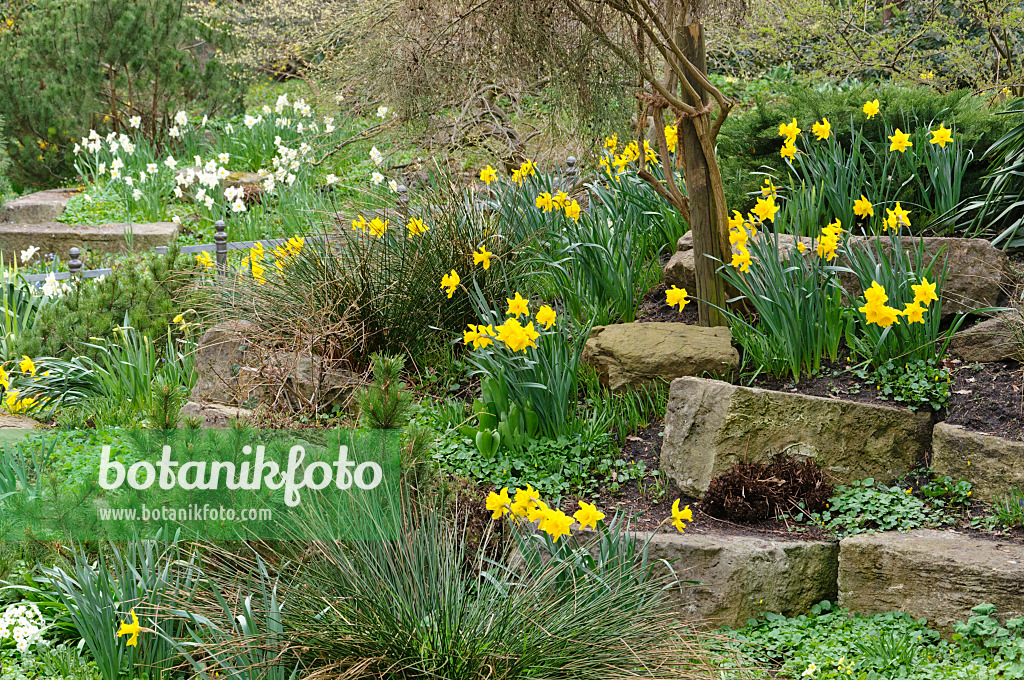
(667,37)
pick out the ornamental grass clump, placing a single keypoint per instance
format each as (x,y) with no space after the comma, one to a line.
(418,604)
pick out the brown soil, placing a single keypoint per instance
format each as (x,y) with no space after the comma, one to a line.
(989,398)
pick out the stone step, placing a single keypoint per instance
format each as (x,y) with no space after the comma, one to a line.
(634,354)
(38,208)
(936,575)
(59,238)
(711,425)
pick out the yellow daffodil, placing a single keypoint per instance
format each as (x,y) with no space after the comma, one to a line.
(559,200)
(416,227)
(359,224)
(822,130)
(875,295)
(736,221)
(801,247)
(611,142)
(897,217)
(499,504)
(769,188)
(524,500)
(766,209)
(913,312)
(131,629)
(871,109)
(479,336)
(180,318)
(790,131)
(26,365)
(5,380)
(546,315)
(482,258)
(941,136)
(788,151)
(862,207)
(517,305)
(676,296)
(451,282)
(517,176)
(900,141)
(536,509)
(378,227)
(741,260)
(555,524)
(204,260)
(516,337)
(572,210)
(588,515)
(927,75)
(924,293)
(671,137)
(488,175)
(681,516)
(544,202)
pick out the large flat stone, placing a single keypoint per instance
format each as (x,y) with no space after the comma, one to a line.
(996,339)
(936,575)
(711,425)
(215,416)
(38,208)
(59,238)
(633,354)
(995,464)
(742,577)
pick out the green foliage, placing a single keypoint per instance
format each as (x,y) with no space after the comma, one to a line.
(1009,508)
(918,384)
(57,663)
(165,404)
(66,68)
(799,305)
(837,644)
(20,308)
(500,424)
(1000,213)
(143,293)
(99,595)
(384,404)
(866,506)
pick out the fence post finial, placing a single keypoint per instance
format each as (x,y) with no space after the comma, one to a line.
(403,199)
(571,171)
(220,241)
(75,264)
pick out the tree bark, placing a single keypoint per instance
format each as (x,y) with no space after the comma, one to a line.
(704,218)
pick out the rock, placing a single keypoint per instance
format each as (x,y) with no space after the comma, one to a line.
(633,354)
(215,416)
(978,274)
(996,464)
(38,208)
(711,425)
(59,238)
(15,422)
(219,358)
(232,370)
(744,576)
(996,339)
(936,575)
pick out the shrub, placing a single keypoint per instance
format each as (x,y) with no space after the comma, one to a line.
(5,166)
(143,293)
(66,68)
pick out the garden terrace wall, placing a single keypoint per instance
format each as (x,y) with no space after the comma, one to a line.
(993,465)
(742,577)
(42,207)
(711,425)
(937,575)
(57,237)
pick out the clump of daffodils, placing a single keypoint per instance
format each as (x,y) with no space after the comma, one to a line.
(515,336)
(876,311)
(527,506)
(559,201)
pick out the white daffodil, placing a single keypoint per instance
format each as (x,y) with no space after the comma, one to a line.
(28,253)
(180,118)
(376,156)
(376,178)
(332,178)
(135,122)
(382,111)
